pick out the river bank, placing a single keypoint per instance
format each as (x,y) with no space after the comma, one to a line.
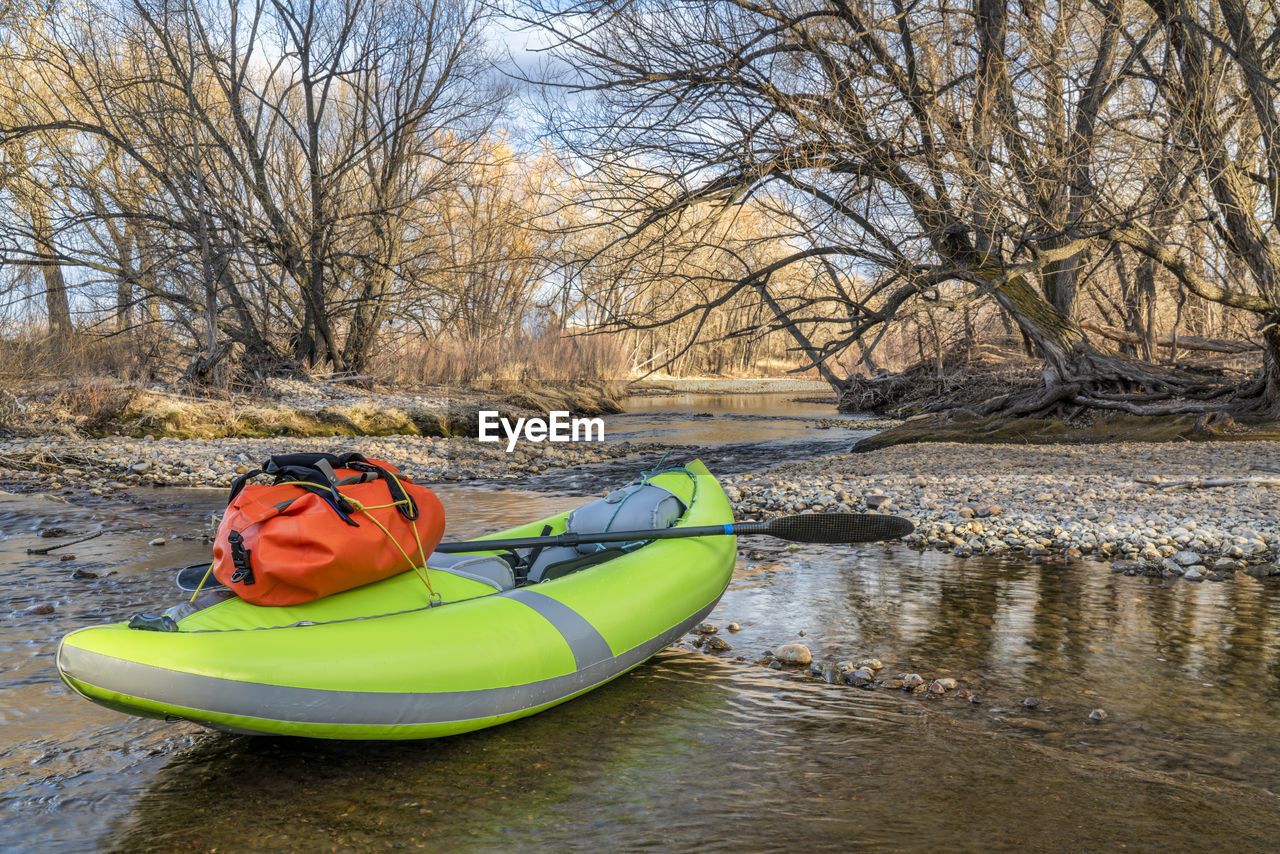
(337,407)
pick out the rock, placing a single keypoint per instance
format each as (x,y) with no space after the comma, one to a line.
(66,557)
(50,533)
(966,512)
(1185,558)
(1224,564)
(793,653)
(41,609)
(827,671)
(141,467)
(859,677)
(734,627)
(715,644)
(987,511)
(876,501)
(1194,573)
(875,665)
(83,574)
(158,541)
(1031,703)
(1170,567)
(911,680)
(966,694)
(891,684)
(947,683)
(1098,715)
(707,629)
(935,687)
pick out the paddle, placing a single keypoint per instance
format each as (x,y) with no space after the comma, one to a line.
(802,528)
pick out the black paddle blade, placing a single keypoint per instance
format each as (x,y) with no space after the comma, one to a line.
(838,528)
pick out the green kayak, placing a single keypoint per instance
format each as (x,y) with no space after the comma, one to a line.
(382,662)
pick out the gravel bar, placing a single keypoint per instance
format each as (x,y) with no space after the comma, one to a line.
(1111,501)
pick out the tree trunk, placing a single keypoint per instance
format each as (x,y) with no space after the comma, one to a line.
(57,305)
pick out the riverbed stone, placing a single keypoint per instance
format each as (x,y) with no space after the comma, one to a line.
(859,677)
(793,653)
(1185,558)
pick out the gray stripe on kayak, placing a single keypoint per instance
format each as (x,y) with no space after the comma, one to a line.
(353,708)
(588,645)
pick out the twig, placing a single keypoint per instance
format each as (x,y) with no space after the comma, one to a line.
(346,379)
(1211,482)
(47,549)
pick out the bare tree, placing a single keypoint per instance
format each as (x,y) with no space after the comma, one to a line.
(950,154)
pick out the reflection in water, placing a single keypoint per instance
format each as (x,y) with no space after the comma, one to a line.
(692,751)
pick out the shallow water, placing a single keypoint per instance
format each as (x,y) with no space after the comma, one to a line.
(693,751)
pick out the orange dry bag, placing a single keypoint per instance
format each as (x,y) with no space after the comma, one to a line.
(329,523)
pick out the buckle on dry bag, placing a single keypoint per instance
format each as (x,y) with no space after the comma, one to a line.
(240,560)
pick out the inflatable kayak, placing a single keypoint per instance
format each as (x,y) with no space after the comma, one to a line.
(385,661)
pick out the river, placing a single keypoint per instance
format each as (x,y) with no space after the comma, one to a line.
(693,751)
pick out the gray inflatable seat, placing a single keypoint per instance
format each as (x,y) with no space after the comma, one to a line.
(490,569)
(632,508)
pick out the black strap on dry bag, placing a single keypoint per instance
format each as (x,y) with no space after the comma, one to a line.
(315,473)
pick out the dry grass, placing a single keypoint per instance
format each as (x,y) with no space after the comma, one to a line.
(27,357)
(502,363)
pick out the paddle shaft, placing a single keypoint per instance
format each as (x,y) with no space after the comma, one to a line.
(571,539)
(807,528)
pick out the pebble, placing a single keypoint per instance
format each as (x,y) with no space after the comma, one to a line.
(1098,715)
(83,574)
(859,677)
(1031,703)
(158,541)
(734,627)
(716,644)
(826,671)
(875,665)
(66,557)
(793,653)
(707,629)
(911,680)
(41,609)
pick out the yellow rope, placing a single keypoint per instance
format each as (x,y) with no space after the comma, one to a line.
(419,569)
(200,586)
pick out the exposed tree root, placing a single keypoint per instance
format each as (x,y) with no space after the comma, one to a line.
(1094,381)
